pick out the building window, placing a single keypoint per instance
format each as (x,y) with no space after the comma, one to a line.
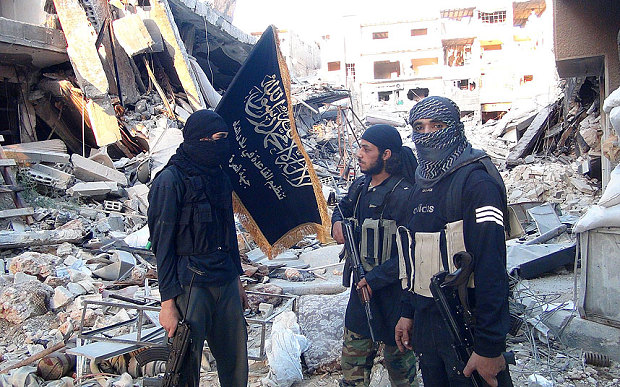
(527,78)
(385,95)
(457,54)
(325,37)
(417,94)
(419,31)
(387,70)
(462,84)
(350,67)
(419,62)
(333,66)
(380,35)
(492,47)
(492,17)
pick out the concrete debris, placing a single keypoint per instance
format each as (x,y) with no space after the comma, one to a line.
(22,301)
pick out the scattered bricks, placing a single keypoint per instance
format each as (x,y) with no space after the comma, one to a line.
(22,301)
(62,297)
(110,205)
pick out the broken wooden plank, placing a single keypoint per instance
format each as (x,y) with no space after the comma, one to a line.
(528,141)
(162,15)
(101,350)
(160,91)
(13,239)
(9,179)
(103,121)
(15,212)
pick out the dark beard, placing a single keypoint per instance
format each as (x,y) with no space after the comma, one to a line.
(375,168)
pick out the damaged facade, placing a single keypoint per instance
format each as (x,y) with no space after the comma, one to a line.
(485,56)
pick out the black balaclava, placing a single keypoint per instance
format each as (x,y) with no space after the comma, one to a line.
(198,146)
(198,154)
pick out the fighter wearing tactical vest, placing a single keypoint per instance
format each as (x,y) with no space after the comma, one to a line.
(443,224)
(192,227)
(377,203)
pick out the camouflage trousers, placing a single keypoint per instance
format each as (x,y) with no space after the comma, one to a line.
(358,356)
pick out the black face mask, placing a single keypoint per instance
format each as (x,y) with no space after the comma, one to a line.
(208,154)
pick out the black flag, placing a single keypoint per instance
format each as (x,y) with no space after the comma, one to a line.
(277,193)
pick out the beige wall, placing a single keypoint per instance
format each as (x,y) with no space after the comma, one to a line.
(586,29)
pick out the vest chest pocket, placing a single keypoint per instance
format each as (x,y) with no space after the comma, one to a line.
(195,233)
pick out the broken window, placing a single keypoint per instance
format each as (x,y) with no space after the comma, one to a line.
(527,78)
(457,14)
(387,70)
(333,66)
(385,95)
(462,84)
(419,31)
(492,17)
(419,62)
(417,94)
(350,67)
(380,35)
(457,54)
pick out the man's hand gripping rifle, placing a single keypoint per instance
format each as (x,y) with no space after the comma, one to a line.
(450,295)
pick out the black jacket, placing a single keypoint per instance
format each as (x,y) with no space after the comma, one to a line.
(383,279)
(188,229)
(482,202)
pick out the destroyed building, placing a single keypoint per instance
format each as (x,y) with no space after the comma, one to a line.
(483,55)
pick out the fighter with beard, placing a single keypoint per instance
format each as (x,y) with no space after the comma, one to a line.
(193,235)
(439,230)
(377,203)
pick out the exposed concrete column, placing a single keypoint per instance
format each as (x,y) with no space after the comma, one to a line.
(162,15)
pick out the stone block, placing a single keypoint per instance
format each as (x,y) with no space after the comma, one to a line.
(76,289)
(19,302)
(21,278)
(133,35)
(35,264)
(89,170)
(62,297)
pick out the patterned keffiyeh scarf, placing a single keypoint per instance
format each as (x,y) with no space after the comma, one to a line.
(438,151)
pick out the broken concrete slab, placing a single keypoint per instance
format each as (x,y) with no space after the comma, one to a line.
(13,239)
(97,189)
(34,156)
(81,41)
(162,15)
(49,176)
(531,135)
(132,35)
(89,170)
(62,297)
(124,262)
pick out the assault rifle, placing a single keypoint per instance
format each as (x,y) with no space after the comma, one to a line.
(450,295)
(358,271)
(178,345)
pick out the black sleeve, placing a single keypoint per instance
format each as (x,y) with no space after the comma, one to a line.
(407,301)
(164,198)
(346,206)
(483,226)
(236,257)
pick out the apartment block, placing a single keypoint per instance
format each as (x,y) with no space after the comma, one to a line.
(485,55)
